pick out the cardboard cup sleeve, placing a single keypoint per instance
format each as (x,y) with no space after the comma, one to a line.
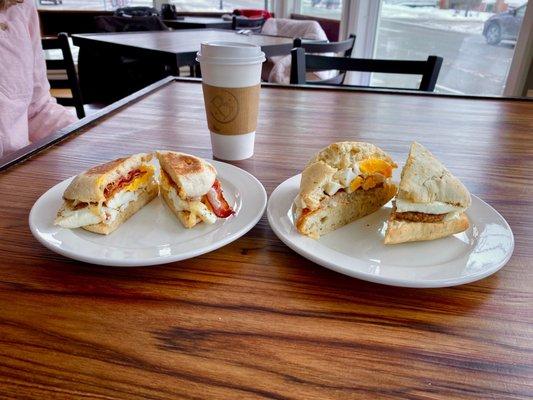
(231,111)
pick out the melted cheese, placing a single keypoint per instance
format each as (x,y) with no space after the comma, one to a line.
(165,184)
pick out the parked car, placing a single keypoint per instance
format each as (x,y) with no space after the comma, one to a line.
(504,26)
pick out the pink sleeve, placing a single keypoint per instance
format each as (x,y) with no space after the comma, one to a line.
(45,116)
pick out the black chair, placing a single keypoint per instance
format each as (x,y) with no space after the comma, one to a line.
(120,75)
(67,64)
(113,23)
(136,12)
(345,47)
(250,24)
(301,63)
(131,19)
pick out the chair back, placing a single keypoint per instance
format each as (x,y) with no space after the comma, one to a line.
(252,24)
(345,47)
(114,23)
(67,64)
(135,12)
(301,63)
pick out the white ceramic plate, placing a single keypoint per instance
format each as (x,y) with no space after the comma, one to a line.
(153,235)
(357,249)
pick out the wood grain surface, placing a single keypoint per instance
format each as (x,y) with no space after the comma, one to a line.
(254,320)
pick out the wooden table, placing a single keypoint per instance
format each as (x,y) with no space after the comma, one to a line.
(197,23)
(254,319)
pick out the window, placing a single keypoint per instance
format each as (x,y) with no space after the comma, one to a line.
(90,4)
(184,5)
(220,5)
(477,45)
(330,9)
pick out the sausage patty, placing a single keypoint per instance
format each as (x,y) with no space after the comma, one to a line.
(417,216)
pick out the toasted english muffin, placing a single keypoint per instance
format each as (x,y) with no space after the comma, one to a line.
(89,186)
(145,197)
(193,175)
(103,197)
(190,188)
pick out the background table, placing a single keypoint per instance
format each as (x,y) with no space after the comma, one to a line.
(197,23)
(105,74)
(254,319)
(180,46)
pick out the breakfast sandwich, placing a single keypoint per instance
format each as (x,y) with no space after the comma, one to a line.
(343,182)
(431,202)
(102,198)
(190,188)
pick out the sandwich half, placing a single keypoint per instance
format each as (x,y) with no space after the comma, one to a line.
(101,199)
(190,188)
(431,202)
(343,182)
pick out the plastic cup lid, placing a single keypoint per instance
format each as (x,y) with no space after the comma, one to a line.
(230,53)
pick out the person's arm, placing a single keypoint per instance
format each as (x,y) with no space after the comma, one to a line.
(45,116)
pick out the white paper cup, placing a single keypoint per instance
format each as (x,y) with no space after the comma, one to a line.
(231,77)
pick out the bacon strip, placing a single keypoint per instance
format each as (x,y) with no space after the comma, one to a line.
(218,203)
(113,187)
(79,206)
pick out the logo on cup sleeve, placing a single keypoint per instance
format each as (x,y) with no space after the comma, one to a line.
(224,107)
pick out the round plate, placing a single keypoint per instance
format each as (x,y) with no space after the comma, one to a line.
(357,249)
(153,235)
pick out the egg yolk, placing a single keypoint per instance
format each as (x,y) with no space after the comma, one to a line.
(376,166)
(356,183)
(141,180)
(371,182)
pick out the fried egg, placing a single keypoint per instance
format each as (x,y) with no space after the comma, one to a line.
(195,207)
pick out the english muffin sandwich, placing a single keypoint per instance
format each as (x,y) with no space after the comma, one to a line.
(190,188)
(343,182)
(103,197)
(431,202)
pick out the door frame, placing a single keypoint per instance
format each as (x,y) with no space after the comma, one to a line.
(522,62)
(360,17)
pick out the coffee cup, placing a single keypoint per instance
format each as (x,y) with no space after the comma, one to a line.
(231,81)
